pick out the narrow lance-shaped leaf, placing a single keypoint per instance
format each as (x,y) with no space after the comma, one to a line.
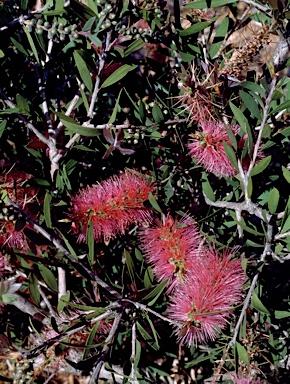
(206,188)
(154,203)
(48,277)
(73,126)
(46,210)
(83,71)
(273,200)
(242,352)
(118,75)
(257,304)
(286,174)
(202,4)
(31,43)
(261,166)
(90,242)
(231,155)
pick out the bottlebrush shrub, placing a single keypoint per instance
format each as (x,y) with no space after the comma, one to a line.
(112,206)
(203,303)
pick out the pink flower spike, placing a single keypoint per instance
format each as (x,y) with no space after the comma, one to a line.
(112,206)
(171,247)
(203,303)
(208,149)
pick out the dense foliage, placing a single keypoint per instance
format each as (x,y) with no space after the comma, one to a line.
(144,177)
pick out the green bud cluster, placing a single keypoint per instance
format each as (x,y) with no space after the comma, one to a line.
(132,136)
(54,30)
(136,33)
(7,212)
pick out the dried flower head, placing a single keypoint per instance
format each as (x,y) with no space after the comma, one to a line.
(242,57)
(197,103)
(203,304)
(171,247)
(208,149)
(112,206)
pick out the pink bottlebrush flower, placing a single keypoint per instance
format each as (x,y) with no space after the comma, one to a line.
(203,303)
(208,149)
(171,247)
(112,206)
(11,238)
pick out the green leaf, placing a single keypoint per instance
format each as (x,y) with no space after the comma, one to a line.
(202,4)
(156,292)
(220,34)
(286,225)
(155,334)
(273,200)
(2,54)
(31,43)
(73,126)
(240,117)
(130,265)
(254,88)
(48,277)
(63,301)
(83,71)
(258,305)
(33,288)
(261,166)
(118,75)
(231,155)
(46,210)
(8,298)
(9,111)
(154,203)
(281,107)
(90,242)
(138,255)
(22,104)
(281,314)
(91,338)
(142,112)
(69,247)
(148,278)
(146,336)
(135,46)
(243,354)
(195,28)
(157,114)
(115,110)
(19,46)
(286,174)
(251,104)
(250,187)
(206,188)
(137,354)
(2,127)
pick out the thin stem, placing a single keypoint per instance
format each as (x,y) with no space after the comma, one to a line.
(105,350)
(100,70)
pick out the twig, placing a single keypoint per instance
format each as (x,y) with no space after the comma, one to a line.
(105,350)
(147,309)
(282,235)
(133,353)
(45,299)
(258,6)
(100,70)
(27,355)
(67,254)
